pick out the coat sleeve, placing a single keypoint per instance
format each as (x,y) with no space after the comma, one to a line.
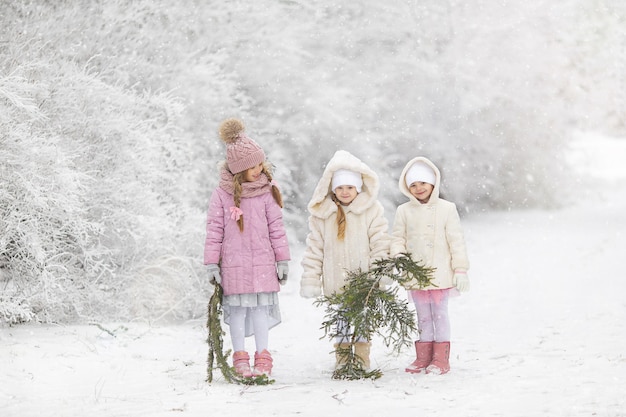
(456,240)
(398,233)
(276,228)
(214,230)
(378,233)
(313,258)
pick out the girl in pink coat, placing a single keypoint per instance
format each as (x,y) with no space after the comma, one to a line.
(246,248)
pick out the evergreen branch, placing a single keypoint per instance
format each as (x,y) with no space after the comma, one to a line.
(216,353)
(368,309)
(216,344)
(353,368)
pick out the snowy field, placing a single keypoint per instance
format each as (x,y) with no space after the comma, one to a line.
(541,333)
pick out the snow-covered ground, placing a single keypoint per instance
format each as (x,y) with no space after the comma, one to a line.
(541,333)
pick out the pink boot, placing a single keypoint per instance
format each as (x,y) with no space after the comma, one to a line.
(424,355)
(241,363)
(441,359)
(262,363)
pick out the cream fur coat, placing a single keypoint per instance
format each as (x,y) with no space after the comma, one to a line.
(327,260)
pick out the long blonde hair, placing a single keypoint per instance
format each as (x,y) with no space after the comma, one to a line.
(341,218)
(237,189)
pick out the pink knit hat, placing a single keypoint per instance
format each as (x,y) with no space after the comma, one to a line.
(241,152)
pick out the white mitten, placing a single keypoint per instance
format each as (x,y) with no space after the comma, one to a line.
(461,281)
(282,268)
(309,291)
(214,273)
(385,283)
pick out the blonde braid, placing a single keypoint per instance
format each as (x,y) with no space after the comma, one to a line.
(237,189)
(341,218)
(278,197)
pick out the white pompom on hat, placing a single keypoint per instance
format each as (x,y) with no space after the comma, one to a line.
(420,171)
(347,177)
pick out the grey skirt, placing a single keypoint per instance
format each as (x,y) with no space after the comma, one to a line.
(269,299)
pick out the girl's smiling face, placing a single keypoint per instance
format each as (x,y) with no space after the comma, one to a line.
(421,191)
(253,174)
(345,194)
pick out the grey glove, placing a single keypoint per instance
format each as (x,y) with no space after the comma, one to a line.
(282,268)
(214,273)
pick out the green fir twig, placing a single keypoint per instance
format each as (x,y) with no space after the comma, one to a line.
(353,367)
(216,355)
(368,308)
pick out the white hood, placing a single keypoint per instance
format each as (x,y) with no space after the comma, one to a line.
(321,205)
(405,189)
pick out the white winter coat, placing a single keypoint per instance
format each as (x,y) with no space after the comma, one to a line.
(430,232)
(327,260)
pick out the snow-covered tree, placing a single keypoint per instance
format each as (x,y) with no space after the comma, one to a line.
(109,110)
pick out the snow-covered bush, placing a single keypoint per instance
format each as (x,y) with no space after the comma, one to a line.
(94,172)
(109,110)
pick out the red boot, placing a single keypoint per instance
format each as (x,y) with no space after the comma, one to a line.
(424,355)
(241,363)
(263,363)
(441,358)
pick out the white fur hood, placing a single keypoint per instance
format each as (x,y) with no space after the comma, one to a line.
(322,206)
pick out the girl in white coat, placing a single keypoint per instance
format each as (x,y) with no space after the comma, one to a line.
(429,228)
(348,230)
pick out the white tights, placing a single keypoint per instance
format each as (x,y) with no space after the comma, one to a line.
(433,321)
(260,324)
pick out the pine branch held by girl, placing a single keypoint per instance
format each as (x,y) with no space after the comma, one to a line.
(246,248)
(369,308)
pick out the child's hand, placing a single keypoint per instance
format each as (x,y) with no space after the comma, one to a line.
(385,283)
(214,273)
(282,267)
(461,281)
(309,291)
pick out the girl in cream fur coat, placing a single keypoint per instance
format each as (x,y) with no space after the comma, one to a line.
(348,231)
(429,228)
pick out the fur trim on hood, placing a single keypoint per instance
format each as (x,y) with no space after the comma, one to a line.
(321,204)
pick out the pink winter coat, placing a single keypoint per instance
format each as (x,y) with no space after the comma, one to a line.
(247,259)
